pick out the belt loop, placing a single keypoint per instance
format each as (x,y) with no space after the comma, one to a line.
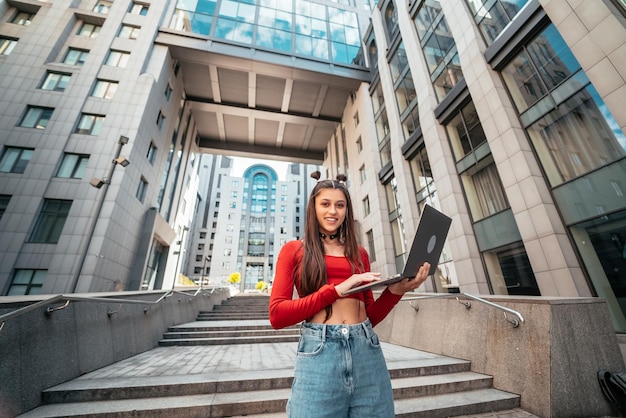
(367,328)
(323,333)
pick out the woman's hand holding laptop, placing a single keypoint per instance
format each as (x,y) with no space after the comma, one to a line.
(411,283)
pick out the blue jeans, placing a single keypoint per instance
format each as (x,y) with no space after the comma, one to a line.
(340,372)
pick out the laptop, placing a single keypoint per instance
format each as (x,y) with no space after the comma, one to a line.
(427,246)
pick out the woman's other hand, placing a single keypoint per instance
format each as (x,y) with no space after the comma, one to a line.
(408,285)
(356,280)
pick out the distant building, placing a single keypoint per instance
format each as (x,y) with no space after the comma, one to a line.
(242,222)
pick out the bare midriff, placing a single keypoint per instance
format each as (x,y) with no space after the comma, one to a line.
(345,311)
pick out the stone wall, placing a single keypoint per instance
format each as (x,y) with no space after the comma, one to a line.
(40,350)
(550,359)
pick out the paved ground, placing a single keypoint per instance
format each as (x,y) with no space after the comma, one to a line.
(188,362)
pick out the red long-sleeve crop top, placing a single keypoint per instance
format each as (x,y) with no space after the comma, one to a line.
(285,311)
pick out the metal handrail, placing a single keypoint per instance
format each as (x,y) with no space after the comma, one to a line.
(514,322)
(74,298)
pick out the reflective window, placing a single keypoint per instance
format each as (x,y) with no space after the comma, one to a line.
(15,160)
(510,272)
(56,81)
(129,32)
(543,64)
(7,45)
(75,57)
(27,282)
(391,21)
(103,6)
(73,166)
(139,9)
(36,117)
(577,137)
(493,16)
(422,175)
(117,59)
(484,191)
(50,221)
(439,47)
(23,18)
(141,189)
(88,30)
(302,27)
(89,124)
(104,89)
(465,131)
(571,128)
(4,202)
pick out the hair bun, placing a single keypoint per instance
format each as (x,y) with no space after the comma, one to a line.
(342,177)
(316,175)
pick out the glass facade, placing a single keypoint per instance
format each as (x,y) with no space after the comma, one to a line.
(438,46)
(582,152)
(296,27)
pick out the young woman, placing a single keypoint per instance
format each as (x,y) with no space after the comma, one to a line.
(340,370)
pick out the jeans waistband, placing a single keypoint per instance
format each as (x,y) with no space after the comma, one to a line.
(341,330)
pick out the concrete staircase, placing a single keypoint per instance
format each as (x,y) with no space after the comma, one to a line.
(230,363)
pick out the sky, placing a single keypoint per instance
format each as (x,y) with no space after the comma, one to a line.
(240,164)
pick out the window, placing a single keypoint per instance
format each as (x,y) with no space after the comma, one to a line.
(465,131)
(485,193)
(15,160)
(227,252)
(366,206)
(362,174)
(75,56)
(55,81)
(89,124)
(104,89)
(492,17)
(50,221)
(4,202)
(27,282)
(73,166)
(152,151)
(89,30)
(36,117)
(141,189)
(371,249)
(23,18)
(103,6)
(139,9)
(117,59)
(168,92)
(7,45)
(160,120)
(356,119)
(128,32)
(359,145)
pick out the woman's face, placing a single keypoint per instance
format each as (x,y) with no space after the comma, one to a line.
(330,210)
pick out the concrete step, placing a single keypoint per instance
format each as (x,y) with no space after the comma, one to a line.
(229,333)
(232,340)
(270,401)
(256,392)
(241,331)
(254,380)
(231,316)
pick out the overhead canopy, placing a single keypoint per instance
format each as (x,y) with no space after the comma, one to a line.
(250,103)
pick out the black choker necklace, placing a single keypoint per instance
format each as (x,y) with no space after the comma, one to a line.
(330,237)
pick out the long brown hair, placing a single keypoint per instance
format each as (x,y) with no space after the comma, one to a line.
(313,265)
